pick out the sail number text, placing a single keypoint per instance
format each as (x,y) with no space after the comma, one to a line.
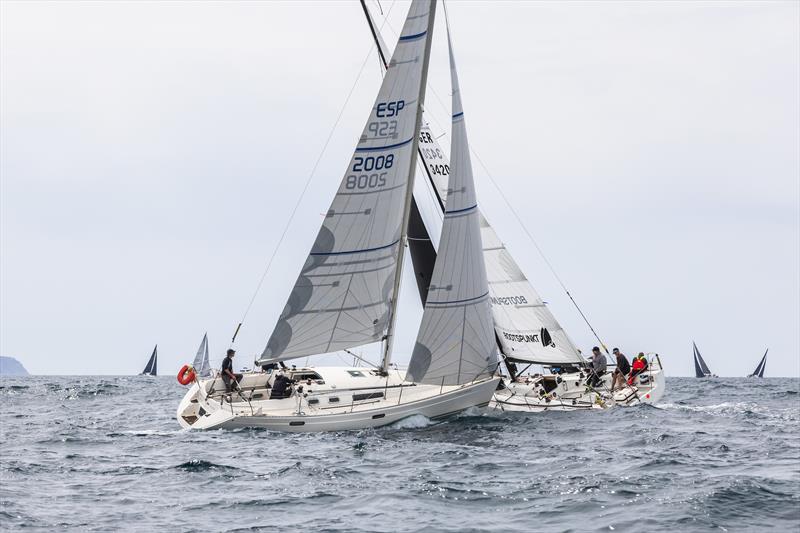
(368,164)
(389,109)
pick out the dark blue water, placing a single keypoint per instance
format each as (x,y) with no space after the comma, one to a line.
(105,453)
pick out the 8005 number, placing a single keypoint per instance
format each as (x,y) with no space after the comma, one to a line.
(366,181)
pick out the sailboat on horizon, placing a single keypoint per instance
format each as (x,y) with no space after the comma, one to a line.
(346,294)
(151,368)
(762,365)
(700,367)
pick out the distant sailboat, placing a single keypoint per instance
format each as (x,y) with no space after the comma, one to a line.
(152,365)
(700,368)
(759,371)
(201,365)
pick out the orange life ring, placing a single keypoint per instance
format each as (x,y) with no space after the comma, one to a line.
(186,375)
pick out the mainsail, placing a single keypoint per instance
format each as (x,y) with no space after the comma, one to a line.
(700,368)
(526,329)
(151,368)
(201,364)
(762,365)
(344,296)
(455,343)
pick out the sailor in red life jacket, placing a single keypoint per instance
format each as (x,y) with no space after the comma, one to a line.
(639,365)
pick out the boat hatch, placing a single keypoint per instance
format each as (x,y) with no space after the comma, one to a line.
(367,396)
(306,375)
(356,373)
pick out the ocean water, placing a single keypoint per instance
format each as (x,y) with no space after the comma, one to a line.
(105,453)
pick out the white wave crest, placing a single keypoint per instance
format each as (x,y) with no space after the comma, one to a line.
(413,422)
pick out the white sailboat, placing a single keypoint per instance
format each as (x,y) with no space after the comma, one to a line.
(346,293)
(201,364)
(526,332)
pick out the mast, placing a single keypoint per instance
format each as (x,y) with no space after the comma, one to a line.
(387,353)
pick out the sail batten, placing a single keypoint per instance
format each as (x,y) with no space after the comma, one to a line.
(455,343)
(346,290)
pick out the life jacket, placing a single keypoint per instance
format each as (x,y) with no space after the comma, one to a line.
(639,365)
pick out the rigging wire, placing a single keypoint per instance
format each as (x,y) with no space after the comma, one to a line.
(305,189)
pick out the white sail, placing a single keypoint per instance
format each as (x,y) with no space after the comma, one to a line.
(201,363)
(455,343)
(343,295)
(526,329)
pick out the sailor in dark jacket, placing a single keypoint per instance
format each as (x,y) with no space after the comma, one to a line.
(227,371)
(281,387)
(620,373)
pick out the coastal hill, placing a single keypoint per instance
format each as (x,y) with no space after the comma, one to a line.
(11,367)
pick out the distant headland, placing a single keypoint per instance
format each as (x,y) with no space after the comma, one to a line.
(11,367)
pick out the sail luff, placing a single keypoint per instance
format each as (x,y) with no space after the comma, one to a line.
(455,343)
(344,293)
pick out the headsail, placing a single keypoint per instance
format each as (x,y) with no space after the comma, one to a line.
(201,364)
(700,368)
(344,295)
(151,368)
(762,365)
(455,343)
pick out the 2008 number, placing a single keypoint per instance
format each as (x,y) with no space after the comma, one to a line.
(367,164)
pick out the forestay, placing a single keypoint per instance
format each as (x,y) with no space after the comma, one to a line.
(343,295)
(455,343)
(201,363)
(526,329)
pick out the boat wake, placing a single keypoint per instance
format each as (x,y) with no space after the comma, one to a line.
(413,422)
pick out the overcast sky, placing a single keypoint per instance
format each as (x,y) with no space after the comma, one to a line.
(152,152)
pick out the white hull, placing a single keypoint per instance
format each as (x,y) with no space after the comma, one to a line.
(568,392)
(364,401)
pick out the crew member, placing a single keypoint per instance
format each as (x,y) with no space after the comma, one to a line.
(227,371)
(623,367)
(281,387)
(639,365)
(599,365)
